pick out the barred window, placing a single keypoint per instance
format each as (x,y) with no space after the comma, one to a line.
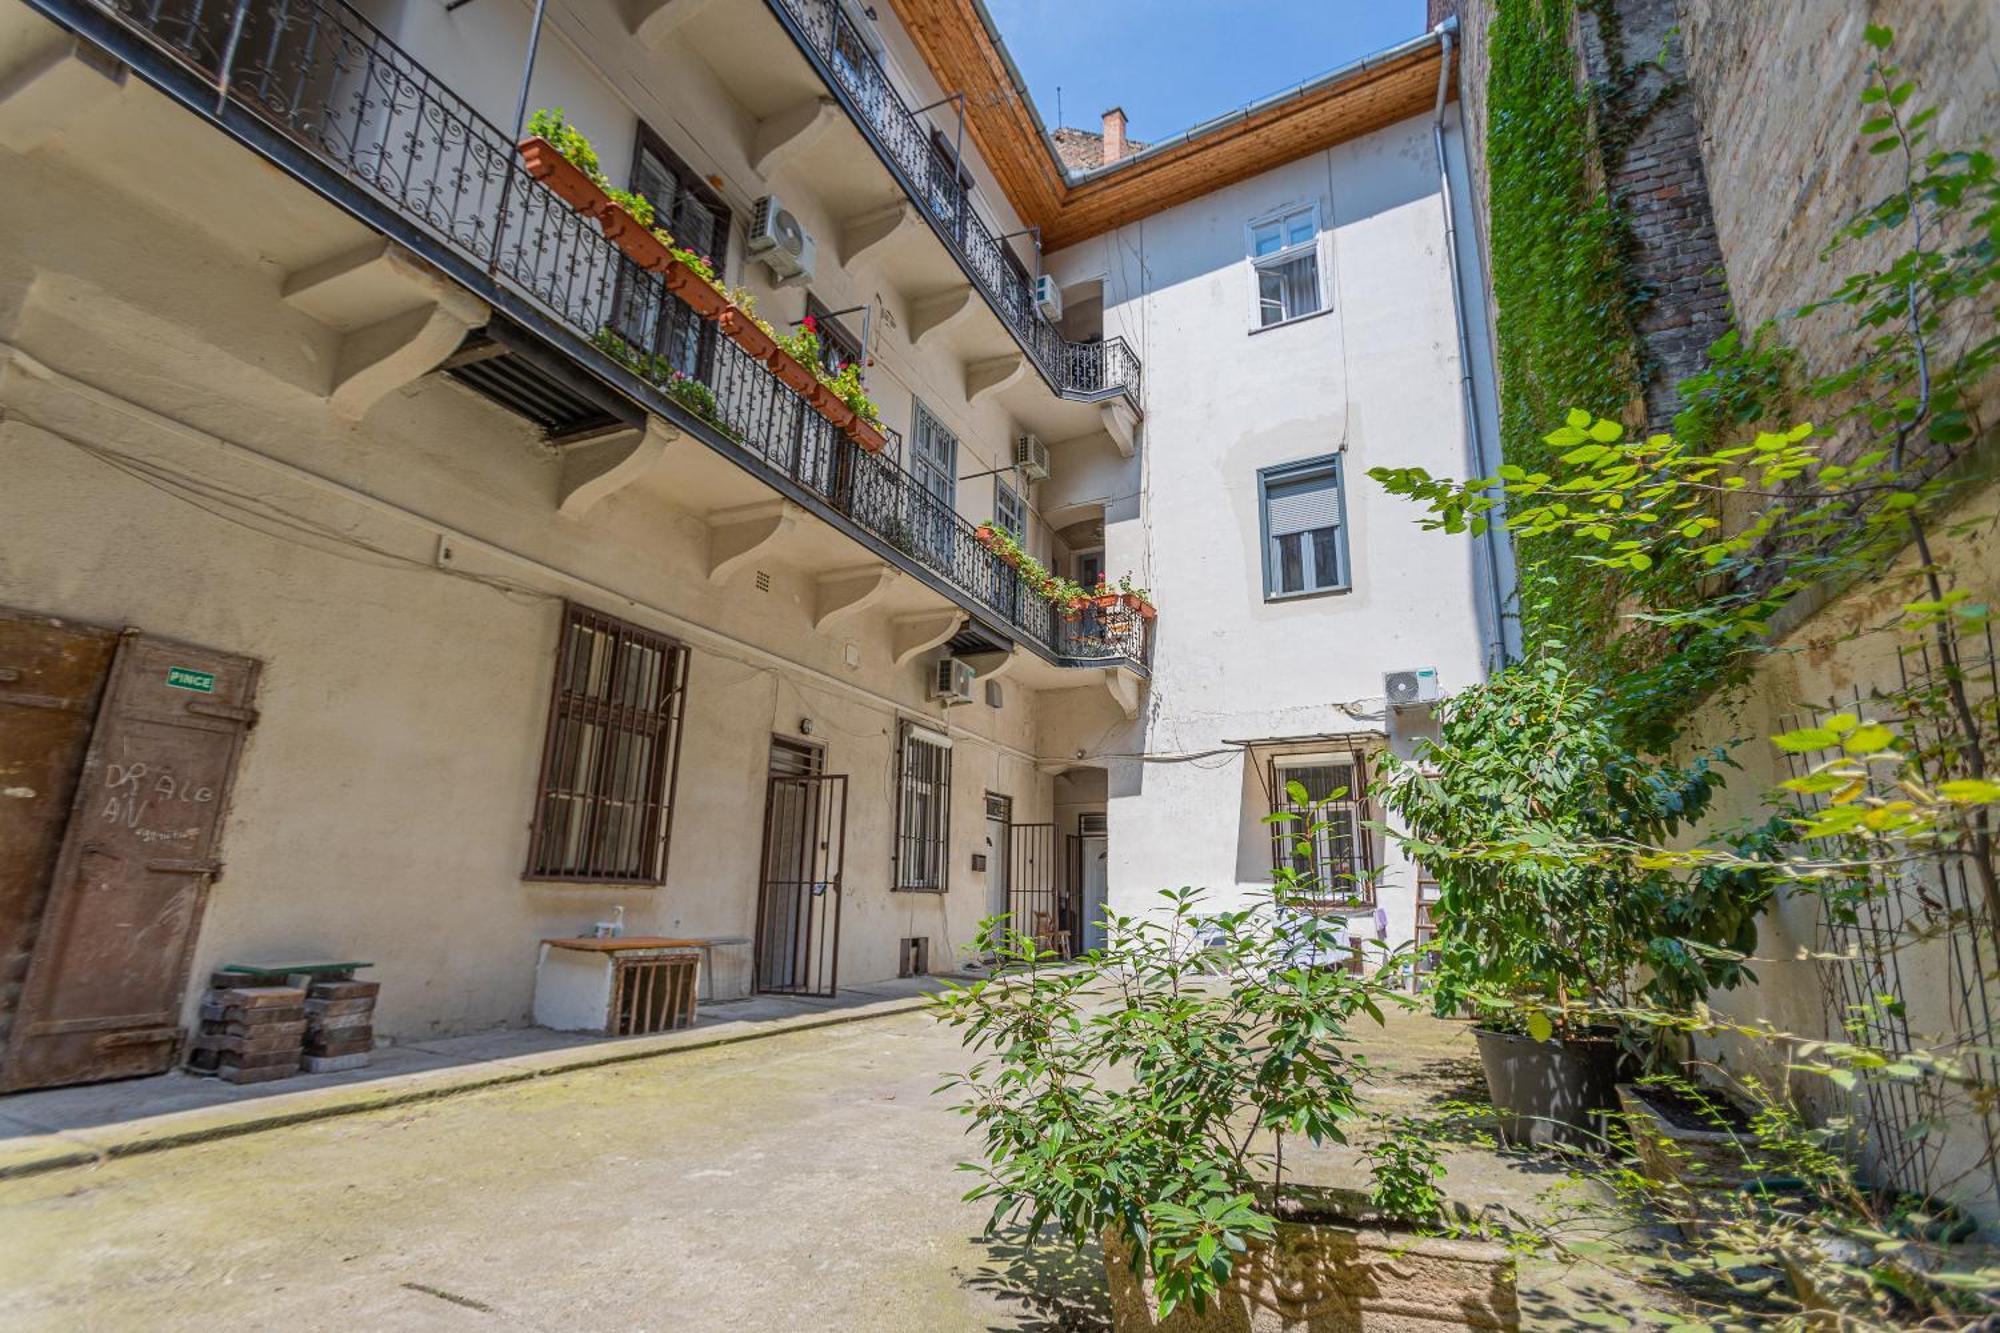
(609,759)
(923,811)
(1334,862)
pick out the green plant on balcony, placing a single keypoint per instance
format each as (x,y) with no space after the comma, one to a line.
(552,124)
(1067,597)
(640,207)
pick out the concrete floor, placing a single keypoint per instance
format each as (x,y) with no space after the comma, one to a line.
(802,1181)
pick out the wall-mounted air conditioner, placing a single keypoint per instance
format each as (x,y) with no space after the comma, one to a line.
(1048,298)
(1031,456)
(951,681)
(1411,689)
(777,238)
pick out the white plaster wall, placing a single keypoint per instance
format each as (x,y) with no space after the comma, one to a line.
(1376,378)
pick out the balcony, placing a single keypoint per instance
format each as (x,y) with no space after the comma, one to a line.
(1090,372)
(316,89)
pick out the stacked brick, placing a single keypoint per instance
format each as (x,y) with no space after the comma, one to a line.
(339,1025)
(249,1034)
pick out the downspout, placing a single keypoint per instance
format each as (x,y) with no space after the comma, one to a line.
(1494,594)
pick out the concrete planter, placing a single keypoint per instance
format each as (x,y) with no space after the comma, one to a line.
(1549,1091)
(1335,1277)
(1689,1162)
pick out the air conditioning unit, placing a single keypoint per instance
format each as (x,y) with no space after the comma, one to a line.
(1031,456)
(951,681)
(1048,298)
(777,238)
(1410,689)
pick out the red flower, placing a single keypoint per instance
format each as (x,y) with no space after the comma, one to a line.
(811,324)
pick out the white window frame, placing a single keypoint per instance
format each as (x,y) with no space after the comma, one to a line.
(1010,508)
(1285,254)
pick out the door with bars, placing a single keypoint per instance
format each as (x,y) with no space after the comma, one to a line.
(1037,897)
(798,898)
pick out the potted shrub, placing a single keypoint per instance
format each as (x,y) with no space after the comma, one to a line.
(560,157)
(865,425)
(1136,598)
(1141,1097)
(1540,927)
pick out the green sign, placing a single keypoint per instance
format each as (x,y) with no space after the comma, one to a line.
(187,678)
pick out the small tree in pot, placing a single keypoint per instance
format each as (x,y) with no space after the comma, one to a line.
(1528,810)
(1143,1096)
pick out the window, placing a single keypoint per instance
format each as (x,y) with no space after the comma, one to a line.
(837,346)
(1304,527)
(686,207)
(1009,510)
(923,811)
(608,763)
(1334,861)
(934,462)
(1284,256)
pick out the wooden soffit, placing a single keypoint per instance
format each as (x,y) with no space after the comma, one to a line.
(964,57)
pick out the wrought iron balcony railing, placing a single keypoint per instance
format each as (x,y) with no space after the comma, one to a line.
(377,129)
(1086,371)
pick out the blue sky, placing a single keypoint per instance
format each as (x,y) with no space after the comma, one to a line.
(1174,63)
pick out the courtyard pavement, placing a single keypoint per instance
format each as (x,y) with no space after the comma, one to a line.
(800,1181)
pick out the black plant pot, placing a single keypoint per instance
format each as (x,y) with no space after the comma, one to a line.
(1550,1091)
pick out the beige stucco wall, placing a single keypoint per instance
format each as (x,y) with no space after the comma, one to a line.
(172,463)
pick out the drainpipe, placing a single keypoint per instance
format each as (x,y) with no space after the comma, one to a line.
(1500,650)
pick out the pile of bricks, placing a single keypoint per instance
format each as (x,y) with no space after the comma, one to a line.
(340,1025)
(249,1034)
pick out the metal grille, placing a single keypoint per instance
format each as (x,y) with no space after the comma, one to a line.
(1037,903)
(1335,860)
(654,994)
(609,759)
(317,88)
(923,814)
(798,899)
(1906,960)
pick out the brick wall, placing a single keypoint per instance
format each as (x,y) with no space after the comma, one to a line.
(1657,181)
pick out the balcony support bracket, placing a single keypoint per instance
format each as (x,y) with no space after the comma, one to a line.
(1124,688)
(45,96)
(992,666)
(843,594)
(597,466)
(938,312)
(654,21)
(738,536)
(922,631)
(786,134)
(871,231)
(397,316)
(1121,423)
(989,377)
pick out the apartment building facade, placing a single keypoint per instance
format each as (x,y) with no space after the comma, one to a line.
(393,570)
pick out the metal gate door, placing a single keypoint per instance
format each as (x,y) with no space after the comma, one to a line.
(51,675)
(1034,886)
(110,962)
(798,897)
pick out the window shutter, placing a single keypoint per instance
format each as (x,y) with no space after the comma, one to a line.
(1301,506)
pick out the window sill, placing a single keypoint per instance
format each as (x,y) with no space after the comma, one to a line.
(935,893)
(1295,319)
(1275,598)
(571,882)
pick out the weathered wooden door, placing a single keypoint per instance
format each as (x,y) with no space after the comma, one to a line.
(110,961)
(51,675)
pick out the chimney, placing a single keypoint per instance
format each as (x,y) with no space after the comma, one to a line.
(1114,134)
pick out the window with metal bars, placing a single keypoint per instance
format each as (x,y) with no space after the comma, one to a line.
(1328,847)
(923,811)
(610,756)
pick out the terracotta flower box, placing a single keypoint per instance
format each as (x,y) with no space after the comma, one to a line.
(640,245)
(563,176)
(698,292)
(831,406)
(985,533)
(866,434)
(799,379)
(1362,1274)
(746,332)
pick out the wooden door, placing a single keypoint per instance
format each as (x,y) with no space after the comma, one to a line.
(110,961)
(51,677)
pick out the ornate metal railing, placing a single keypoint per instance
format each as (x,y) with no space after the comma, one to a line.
(330,82)
(937,185)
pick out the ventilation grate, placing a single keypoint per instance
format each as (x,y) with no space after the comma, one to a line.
(654,994)
(506,366)
(763,581)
